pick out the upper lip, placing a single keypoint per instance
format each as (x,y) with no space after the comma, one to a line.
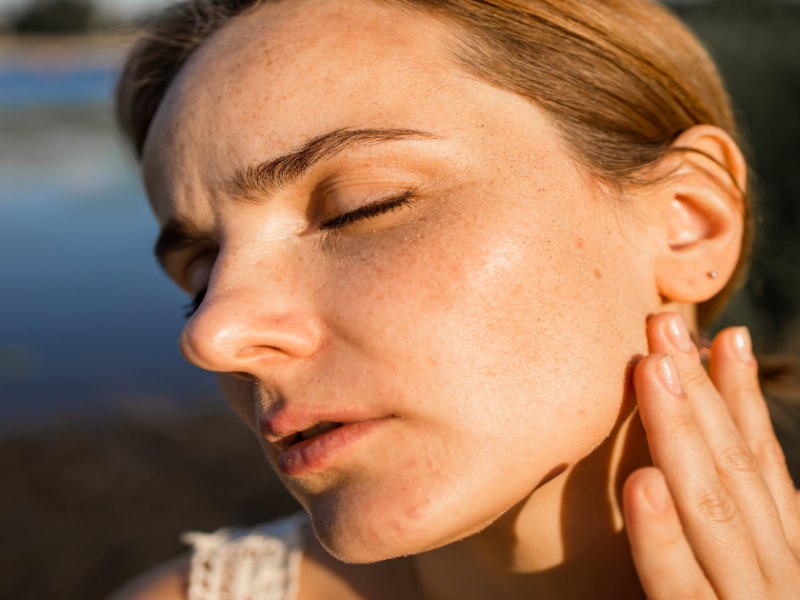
(283,428)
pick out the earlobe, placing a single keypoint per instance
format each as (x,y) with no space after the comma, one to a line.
(702,215)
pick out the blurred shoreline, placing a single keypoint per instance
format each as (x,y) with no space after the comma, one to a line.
(89,323)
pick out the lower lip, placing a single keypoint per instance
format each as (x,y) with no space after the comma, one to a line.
(322,451)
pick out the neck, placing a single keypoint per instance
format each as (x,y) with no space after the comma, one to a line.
(565,540)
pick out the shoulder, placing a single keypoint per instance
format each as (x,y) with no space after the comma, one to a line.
(169,581)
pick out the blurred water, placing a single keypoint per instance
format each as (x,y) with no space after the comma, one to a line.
(22,87)
(88,324)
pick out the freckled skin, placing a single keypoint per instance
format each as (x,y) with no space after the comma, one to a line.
(494,318)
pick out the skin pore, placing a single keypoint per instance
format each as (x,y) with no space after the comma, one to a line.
(488,320)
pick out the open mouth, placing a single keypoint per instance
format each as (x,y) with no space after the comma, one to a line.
(317,429)
(307,434)
(319,447)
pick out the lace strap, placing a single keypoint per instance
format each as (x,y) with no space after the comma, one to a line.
(262,563)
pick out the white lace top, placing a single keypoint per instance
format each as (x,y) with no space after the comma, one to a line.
(262,563)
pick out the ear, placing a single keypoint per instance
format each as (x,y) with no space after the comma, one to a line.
(702,216)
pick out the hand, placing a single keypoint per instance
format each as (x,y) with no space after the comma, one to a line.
(717,515)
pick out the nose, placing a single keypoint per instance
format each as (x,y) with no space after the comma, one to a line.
(246,331)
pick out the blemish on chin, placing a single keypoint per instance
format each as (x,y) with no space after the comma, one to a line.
(598,274)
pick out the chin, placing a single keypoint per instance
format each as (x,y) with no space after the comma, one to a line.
(362,525)
(364,512)
(378,514)
(392,494)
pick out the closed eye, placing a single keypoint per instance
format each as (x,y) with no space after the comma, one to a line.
(370,210)
(364,212)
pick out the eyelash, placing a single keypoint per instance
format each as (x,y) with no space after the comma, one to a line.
(359,214)
(191,308)
(370,210)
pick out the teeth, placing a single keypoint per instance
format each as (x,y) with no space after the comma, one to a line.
(317,429)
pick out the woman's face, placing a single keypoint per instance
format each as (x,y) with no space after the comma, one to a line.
(436,274)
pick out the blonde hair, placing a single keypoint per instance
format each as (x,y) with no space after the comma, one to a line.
(621,79)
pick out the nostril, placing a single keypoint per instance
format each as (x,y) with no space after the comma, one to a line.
(256,351)
(242,375)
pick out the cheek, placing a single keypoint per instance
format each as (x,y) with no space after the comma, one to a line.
(500,325)
(503,352)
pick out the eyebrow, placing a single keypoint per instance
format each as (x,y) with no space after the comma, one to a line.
(255,182)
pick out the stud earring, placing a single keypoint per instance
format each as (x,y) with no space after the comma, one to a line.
(712,275)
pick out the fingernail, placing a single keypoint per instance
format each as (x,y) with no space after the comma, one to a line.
(678,334)
(742,345)
(656,494)
(668,374)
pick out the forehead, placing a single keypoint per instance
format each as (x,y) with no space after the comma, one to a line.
(294,70)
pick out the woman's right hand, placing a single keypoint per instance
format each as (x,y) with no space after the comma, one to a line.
(716,517)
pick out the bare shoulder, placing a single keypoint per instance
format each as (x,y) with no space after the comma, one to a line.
(169,581)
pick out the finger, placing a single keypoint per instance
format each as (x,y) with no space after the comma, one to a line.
(663,557)
(711,520)
(736,466)
(735,375)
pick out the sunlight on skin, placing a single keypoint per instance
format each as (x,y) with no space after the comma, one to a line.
(492,321)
